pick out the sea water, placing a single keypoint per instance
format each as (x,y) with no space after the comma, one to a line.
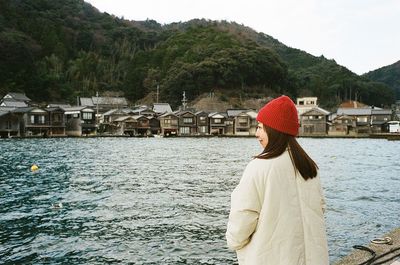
(166,200)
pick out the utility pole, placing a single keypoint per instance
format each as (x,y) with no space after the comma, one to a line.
(97,107)
(184,100)
(158,91)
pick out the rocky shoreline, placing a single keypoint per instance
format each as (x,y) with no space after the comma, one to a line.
(357,257)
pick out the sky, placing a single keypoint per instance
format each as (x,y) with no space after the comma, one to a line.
(362,35)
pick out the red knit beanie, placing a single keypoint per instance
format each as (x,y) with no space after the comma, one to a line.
(280,114)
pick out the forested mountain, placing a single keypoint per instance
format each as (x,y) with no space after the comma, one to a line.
(390,75)
(56,50)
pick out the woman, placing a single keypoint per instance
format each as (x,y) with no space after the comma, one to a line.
(276,215)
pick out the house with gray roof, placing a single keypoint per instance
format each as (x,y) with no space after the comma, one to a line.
(368,119)
(33,121)
(104,104)
(7,102)
(218,123)
(187,122)
(314,122)
(17,97)
(80,120)
(202,123)
(169,124)
(9,125)
(342,125)
(245,123)
(161,108)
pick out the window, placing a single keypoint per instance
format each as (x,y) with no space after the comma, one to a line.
(87,115)
(187,120)
(184,130)
(167,122)
(362,119)
(41,119)
(37,119)
(242,120)
(217,121)
(57,117)
(202,118)
(203,129)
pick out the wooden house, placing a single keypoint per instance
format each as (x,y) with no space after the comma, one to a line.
(343,125)
(126,125)
(32,121)
(103,104)
(217,123)
(107,124)
(161,108)
(379,120)
(368,119)
(143,125)
(231,120)
(187,123)
(145,111)
(169,124)
(155,128)
(79,121)
(17,100)
(9,125)
(56,120)
(202,123)
(305,104)
(13,103)
(314,122)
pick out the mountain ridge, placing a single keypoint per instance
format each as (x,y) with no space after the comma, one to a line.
(57,51)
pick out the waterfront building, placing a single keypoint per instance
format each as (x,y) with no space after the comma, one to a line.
(368,119)
(169,124)
(9,125)
(125,125)
(217,123)
(56,121)
(305,104)
(187,122)
(80,120)
(244,121)
(144,110)
(17,100)
(314,122)
(154,126)
(103,104)
(162,108)
(202,123)
(32,121)
(343,125)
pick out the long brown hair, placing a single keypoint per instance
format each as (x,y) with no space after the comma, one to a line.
(278,142)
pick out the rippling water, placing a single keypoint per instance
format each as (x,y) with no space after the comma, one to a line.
(166,201)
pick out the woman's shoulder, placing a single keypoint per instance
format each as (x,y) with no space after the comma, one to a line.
(259,164)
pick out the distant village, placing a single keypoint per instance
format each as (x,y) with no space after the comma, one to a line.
(112,116)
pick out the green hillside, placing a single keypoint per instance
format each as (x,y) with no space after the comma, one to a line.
(389,75)
(57,50)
